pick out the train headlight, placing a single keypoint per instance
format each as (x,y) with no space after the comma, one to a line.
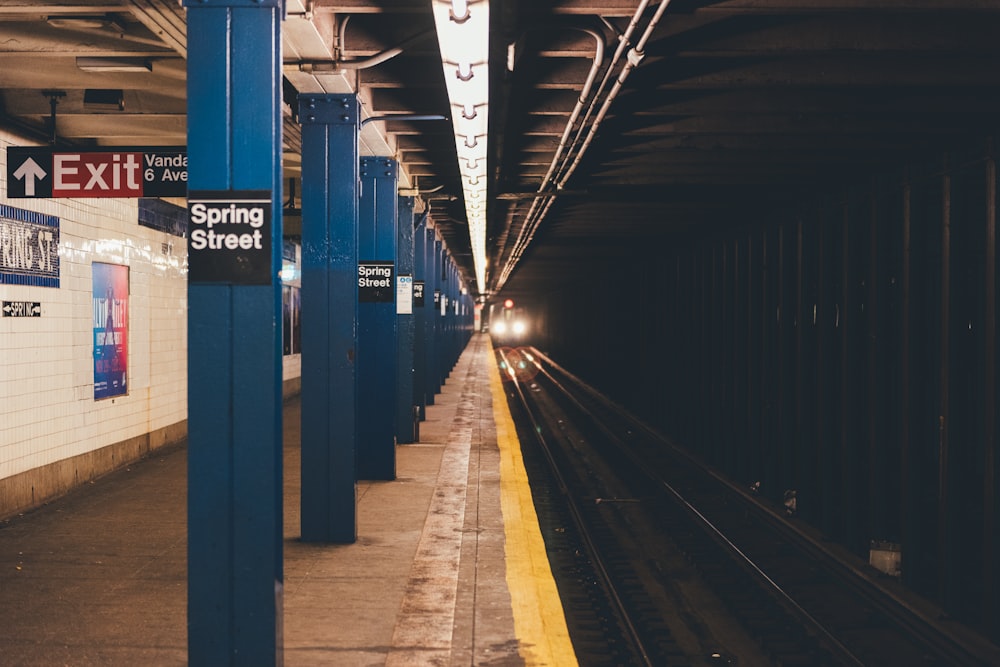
(499,327)
(519,327)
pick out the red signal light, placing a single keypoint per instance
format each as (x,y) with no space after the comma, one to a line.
(509,303)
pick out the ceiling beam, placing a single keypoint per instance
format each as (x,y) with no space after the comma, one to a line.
(812,71)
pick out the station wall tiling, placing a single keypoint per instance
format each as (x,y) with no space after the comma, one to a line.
(48,410)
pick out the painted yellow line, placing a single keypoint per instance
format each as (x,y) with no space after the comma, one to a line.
(539,622)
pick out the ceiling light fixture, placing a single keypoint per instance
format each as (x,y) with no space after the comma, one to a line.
(464,72)
(459,11)
(86,22)
(463,29)
(98,64)
(104,99)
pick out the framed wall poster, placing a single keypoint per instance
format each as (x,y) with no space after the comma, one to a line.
(110,308)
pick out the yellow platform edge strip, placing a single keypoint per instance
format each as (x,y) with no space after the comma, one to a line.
(539,622)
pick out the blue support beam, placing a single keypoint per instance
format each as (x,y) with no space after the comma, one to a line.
(451,316)
(235,569)
(433,315)
(406,417)
(329,324)
(456,315)
(448,302)
(420,309)
(444,360)
(376,341)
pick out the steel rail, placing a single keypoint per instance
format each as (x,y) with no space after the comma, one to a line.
(632,634)
(906,615)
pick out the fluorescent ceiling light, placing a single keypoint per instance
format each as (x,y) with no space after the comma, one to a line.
(97,64)
(86,22)
(463,29)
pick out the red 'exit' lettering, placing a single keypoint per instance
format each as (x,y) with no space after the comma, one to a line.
(97,175)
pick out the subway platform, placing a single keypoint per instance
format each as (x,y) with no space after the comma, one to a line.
(448,568)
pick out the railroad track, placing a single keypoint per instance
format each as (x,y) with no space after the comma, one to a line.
(628,499)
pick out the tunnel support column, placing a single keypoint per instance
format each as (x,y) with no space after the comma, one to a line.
(376,341)
(440,308)
(454,314)
(235,576)
(330,299)
(433,290)
(420,316)
(406,423)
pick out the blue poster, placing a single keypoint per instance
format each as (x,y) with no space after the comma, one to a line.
(110,330)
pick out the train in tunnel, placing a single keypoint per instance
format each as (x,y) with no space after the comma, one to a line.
(509,323)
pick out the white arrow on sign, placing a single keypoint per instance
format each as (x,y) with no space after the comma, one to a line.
(22,309)
(28,172)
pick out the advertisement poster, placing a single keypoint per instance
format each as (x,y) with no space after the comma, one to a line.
(110,330)
(291,330)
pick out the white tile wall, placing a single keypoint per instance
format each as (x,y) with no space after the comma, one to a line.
(47,407)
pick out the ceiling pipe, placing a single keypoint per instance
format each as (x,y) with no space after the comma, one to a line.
(580,102)
(378,58)
(341,36)
(635,57)
(597,62)
(403,116)
(624,42)
(417,192)
(339,65)
(541,206)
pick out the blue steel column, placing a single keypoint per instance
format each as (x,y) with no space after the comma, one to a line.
(448,320)
(420,317)
(329,315)
(376,344)
(235,574)
(440,332)
(451,316)
(433,294)
(456,315)
(455,312)
(405,422)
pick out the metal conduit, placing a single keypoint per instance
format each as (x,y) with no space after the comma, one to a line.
(635,55)
(339,65)
(580,102)
(535,216)
(624,42)
(525,234)
(378,58)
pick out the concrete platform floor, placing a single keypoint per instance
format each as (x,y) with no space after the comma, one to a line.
(99,577)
